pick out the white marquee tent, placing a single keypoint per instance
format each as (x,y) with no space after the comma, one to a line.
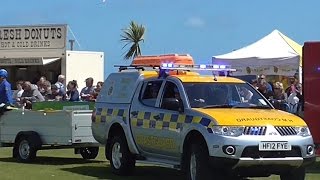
(275,54)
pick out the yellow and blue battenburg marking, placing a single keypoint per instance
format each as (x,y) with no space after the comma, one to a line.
(147,120)
(105,114)
(167,121)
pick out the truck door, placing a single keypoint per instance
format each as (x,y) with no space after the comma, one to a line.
(142,115)
(156,125)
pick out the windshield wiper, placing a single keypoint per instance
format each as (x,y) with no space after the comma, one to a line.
(258,107)
(218,106)
(235,106)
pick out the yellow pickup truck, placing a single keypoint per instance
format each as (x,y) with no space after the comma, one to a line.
(210,127)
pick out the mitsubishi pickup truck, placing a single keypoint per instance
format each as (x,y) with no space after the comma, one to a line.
(209,127)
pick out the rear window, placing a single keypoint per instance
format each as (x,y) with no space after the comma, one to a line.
(150,92)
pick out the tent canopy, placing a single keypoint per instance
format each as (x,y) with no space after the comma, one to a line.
(275,54)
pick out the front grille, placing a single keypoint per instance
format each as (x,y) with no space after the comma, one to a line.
(253,152)
(255,130)
(286,130)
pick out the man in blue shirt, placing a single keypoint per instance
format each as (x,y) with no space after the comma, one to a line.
(5,91)
(269,87)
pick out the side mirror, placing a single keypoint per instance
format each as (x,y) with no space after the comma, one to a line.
(172,104)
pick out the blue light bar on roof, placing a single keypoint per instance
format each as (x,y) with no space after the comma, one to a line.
(201,67)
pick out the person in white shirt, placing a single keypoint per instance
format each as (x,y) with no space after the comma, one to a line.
(17,94)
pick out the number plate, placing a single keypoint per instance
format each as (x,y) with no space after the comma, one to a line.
(274,146)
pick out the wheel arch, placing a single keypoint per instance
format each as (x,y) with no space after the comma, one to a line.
(115,129)
(192,136)
(35,135)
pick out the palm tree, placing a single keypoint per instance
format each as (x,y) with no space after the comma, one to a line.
(133,35)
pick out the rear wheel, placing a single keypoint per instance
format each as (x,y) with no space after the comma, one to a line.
(121,160)
(296,174)
(89,152)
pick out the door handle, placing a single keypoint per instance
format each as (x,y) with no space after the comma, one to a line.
(134,113)
(156,117)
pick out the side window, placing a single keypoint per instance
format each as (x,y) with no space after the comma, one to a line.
(171,99)
(150,93)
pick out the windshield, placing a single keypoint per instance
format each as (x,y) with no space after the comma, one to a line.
(224,95)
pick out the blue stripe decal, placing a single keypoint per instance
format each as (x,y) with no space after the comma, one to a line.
(139,122)
(120,112)
(165,125)
(174,118)
(188,119)
(147,115)
(205,121)
(109,111)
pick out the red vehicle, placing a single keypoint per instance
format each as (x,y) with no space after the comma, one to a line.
(311,83)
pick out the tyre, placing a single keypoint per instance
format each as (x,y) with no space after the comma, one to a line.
(89,152)
(198,167)
(25,149)
(121,160)
(295,174)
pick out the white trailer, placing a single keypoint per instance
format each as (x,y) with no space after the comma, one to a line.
(28,131)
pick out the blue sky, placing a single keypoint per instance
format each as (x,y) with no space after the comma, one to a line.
(202,28)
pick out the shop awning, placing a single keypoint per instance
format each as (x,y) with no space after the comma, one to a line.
(46,61)
(38,61)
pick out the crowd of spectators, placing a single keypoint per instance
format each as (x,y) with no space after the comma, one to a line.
(43,90)
(289,99)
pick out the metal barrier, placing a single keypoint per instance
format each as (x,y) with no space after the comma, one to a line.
(284,106)
(296,108)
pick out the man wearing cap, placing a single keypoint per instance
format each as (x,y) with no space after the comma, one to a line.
(87,92)
(5,91)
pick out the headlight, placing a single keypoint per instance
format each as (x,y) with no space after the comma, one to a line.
(302,131)
(228,130)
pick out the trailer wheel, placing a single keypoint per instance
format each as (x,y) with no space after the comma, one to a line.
(89,152)
(121,160)
(25,149)
(296,174)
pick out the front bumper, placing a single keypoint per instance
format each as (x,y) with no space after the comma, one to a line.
(247,152)
(260,167)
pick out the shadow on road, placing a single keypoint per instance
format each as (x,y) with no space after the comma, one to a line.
(54,161)
(141,173)
(314,168)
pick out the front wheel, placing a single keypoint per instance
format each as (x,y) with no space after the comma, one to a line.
(121,160)
(89,152)
(198,164)
(295,174)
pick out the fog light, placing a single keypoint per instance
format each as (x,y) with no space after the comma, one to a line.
(310,150)
(229,149)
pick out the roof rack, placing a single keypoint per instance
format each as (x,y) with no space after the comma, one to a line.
(137,67)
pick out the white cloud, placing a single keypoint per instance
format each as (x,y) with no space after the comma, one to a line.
(195,22)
